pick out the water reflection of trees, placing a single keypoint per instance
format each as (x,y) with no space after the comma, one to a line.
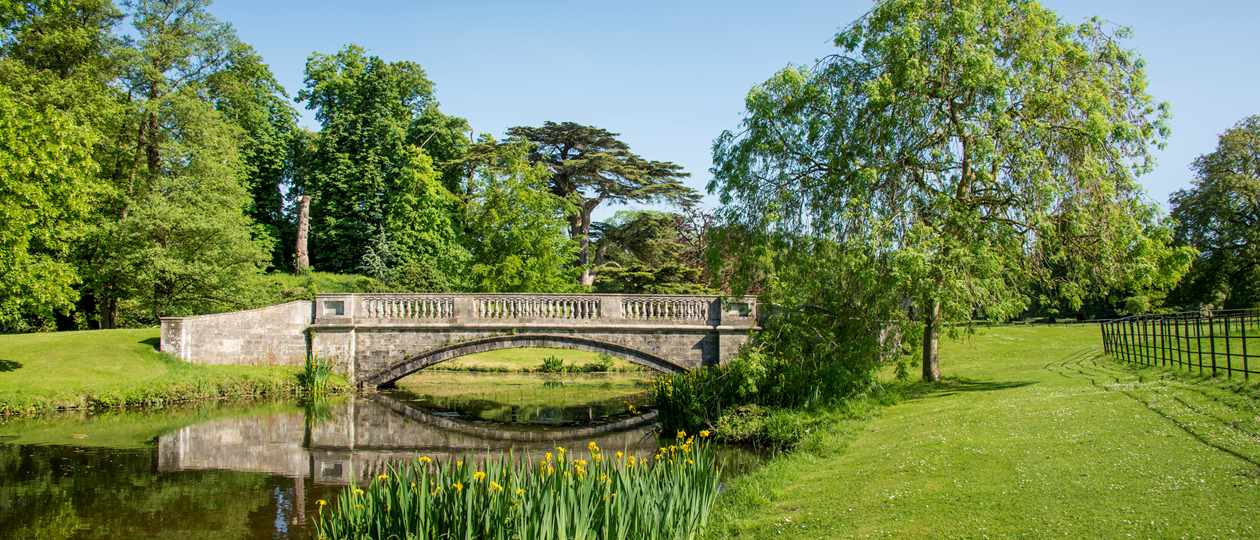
(63,492)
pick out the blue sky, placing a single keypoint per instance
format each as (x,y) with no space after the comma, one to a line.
(670,76)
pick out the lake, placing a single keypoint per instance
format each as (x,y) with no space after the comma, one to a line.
(256,471)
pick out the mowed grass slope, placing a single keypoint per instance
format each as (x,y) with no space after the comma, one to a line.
(1035,434)
(117,368)
(527,359)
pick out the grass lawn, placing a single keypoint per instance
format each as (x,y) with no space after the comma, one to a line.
(527,359)
(116,368)
(527,389)
(1034,434)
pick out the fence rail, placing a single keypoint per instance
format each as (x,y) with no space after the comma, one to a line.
(1215,342)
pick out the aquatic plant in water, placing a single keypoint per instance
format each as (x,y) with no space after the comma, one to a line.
(562,496)
(315,377)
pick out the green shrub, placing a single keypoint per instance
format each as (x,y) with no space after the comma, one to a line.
(603,363)
(702,398)
(552,364)
(598,496)
(743,423)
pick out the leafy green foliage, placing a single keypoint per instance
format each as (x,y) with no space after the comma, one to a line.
(1220,215)
(186,244)
(316,378)
(54,103)
(753,397)
(366,178)
(552,364)
(644,252)
(590,166)
(247,94)
(516,228)
(927,158)
(47,184)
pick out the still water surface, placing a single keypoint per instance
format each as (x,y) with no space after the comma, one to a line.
(257,471)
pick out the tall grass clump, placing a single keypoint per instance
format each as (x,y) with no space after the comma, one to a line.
(316,377)
(604,496)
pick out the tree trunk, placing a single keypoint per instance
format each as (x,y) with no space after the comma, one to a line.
(580,229)
(931,342)
(303,262)
(109,313)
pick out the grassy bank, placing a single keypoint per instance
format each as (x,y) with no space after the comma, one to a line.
(524,390)
(1034,434)
(110,369)
(526,360)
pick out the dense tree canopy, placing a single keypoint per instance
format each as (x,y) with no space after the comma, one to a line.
(1220,215)
(176,238)
(247,94)
(54,106)
(368,182)
(646,252)
(590,166)
(516,227)
(941,142)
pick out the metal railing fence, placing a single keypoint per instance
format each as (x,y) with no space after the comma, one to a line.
(1215,342)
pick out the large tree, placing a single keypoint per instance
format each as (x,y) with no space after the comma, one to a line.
(175,236)
(926,159)
(247,94)
(516,226)
(1220,215)
(55,66)
(369,181)
(590,166)
(647,252)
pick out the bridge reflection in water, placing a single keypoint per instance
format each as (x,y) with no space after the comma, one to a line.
(361,436)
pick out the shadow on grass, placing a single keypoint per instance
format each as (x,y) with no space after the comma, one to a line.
(9,365)
(156,343)
(959,385)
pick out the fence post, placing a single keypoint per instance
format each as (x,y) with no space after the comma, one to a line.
(1198,340)
(1212,340)
(1246,368)
(1130,349)
(1177,339)
(1229,360)
(1147,349)
(1163,342)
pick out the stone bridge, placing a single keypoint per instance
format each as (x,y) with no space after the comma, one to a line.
(375,339)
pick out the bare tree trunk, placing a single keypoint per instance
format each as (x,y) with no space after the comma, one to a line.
(303,262)
(931,342)
(580,229)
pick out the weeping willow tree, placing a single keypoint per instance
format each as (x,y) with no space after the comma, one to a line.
(949,156)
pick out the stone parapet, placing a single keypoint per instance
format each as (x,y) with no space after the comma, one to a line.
(526,309)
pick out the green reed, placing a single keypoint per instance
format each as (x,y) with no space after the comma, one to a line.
(316,377)
(597,496)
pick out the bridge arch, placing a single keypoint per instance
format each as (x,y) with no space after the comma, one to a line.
(417,362)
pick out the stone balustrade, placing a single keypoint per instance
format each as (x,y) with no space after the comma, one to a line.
(518,309)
